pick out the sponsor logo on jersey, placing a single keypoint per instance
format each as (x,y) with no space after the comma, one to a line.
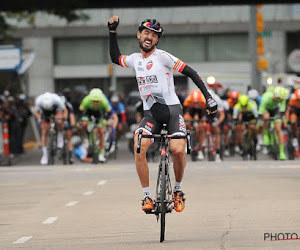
(147,79)
(140,69)
(149,65)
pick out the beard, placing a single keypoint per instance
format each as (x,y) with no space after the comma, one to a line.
(147,50)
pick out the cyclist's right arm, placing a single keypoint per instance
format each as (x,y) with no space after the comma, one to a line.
(114,50)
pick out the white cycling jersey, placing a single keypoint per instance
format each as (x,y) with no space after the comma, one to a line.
(56,102)
(154,76)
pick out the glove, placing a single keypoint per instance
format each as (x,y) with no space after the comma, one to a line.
(211,105)
(39,121)
(113,26)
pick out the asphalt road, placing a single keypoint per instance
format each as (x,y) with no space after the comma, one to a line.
(230,205)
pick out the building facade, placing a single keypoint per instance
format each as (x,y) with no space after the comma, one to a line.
(212,40)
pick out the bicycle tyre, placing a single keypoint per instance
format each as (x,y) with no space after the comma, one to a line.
(210,153)
(93,148)
(65,152)
(163,201)
(274,146)
(51,148)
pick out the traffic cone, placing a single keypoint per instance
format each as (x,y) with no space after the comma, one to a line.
(5,140)
(297,152)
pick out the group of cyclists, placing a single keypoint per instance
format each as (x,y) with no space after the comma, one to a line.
(236,111)
(154,74)
(96,105)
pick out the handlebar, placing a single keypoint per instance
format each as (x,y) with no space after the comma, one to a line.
(187,137)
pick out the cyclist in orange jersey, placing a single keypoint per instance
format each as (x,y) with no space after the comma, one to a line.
(293,115)
(195,104)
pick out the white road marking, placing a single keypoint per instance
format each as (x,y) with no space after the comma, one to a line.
(101,183)
(50,220)
(22,240)
(89,193)
(71,203)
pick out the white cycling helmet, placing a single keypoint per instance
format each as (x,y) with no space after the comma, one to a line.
(253,94)
(114,98)
(47,102)
(76,141)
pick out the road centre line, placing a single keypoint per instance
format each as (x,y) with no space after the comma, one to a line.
(101,183)
(71,203)
(50,220)
(22,240)
(89,193)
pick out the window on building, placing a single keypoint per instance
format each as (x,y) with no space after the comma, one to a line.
(81,51)
(229,47)
(187,48)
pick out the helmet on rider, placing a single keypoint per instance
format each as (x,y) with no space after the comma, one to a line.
(253,94)
(297,94)
(63,99)
(243,100)
(96,94)
(76,141)
(234,94)
(114,99)
(281,93)
(47,102)
(151,24)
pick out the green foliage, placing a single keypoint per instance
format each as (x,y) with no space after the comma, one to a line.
(63,9)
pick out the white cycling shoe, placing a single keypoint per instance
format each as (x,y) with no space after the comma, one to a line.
(102,158)
(44,160)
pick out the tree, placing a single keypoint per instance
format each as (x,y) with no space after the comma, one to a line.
(26,10)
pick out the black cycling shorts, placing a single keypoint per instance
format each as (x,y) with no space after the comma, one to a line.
(160,114)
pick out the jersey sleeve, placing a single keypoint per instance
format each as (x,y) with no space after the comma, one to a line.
(38,103)
(126,61)
(83,103)
(172,62)
(106,104)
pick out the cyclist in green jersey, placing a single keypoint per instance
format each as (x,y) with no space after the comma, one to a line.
(96,104)
(273,104)
(245,111)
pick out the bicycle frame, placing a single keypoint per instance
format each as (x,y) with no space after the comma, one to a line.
(163,202)
(52,140)
(274,145)
(249,146)
(93,148)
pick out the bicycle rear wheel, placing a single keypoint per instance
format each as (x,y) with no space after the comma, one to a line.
(163,202)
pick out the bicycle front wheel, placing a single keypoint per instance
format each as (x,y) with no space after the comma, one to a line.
(163,202)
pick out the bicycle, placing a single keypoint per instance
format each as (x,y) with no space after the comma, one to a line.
(64,151)
(292,151)
(209,142)
(110,143)
(163,202)
(249,144)
(93,150)
(273,139)
(52,142)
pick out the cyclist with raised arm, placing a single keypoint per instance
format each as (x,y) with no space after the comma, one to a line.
(273,104)
(46,106)
(96,104)
(161,105)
